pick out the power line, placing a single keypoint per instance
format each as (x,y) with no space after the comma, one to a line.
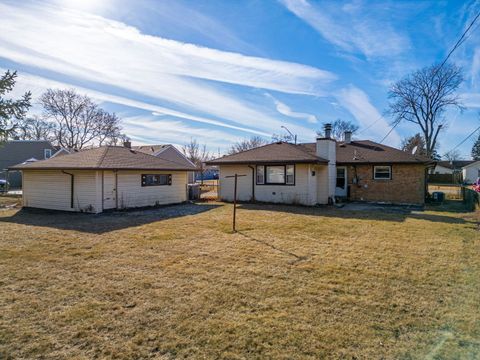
(393,127)
(460,41)
(463,141)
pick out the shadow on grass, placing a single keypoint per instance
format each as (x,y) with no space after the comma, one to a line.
(105,222)
(363,212)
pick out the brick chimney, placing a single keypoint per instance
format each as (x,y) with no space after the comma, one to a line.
(326,149)
(127,144)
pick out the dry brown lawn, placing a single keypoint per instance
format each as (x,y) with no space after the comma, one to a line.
(293,283)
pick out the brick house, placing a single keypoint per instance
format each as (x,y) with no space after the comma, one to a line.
(323,172)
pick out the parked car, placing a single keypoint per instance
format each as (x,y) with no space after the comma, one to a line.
(4,185)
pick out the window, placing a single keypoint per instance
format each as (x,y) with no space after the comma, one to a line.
(156,179)
(47,153)
(276,174)
(340,178)
(260,174)
(382,172)
(290,174)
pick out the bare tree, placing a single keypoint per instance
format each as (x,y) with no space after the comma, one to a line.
(79,121)
(453,155)
(246,144)
(35,128)
(414,145)
(197,154)
(423,97)
(11,110)
(283,138)
(339,127)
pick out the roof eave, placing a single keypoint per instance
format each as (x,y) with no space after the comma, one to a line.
(264,162)
(101,168)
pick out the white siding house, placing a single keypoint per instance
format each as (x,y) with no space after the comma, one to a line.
(101,179)
(322,172)
(471,172)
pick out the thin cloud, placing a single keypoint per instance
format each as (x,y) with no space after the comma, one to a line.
(350,28)
(358,104)
(94,49)
(284,109)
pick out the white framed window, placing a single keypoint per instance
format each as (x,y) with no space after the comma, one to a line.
(382,172)
(290,174)
(260,174)
(47,153)
(156,179)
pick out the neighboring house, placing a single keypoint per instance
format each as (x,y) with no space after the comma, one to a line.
(169,151)
(471,172)
(17,151)
(317,173)
(470,169)
(98,179)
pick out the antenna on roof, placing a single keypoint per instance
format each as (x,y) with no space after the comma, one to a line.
(414,150)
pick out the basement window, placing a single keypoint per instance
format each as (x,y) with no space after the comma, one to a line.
(382,172)
(156,179)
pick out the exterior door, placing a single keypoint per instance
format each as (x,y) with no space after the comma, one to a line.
(109,190)
(341,183)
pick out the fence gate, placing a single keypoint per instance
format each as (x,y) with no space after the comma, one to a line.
(209,190)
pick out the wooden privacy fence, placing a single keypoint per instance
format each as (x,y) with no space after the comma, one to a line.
(445,178)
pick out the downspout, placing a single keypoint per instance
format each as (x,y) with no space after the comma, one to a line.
(253,181)
(72,185)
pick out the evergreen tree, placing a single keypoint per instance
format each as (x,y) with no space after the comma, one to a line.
(476,149)
(11,110)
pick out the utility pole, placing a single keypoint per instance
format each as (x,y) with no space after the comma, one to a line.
(236,176)
(292,135)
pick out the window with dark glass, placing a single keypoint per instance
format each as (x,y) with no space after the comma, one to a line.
(382,172)
(341,178)
(156,179)
(260,174)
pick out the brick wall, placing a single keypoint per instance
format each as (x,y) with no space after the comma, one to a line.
(405,187)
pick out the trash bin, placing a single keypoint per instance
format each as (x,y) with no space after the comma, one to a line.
(438,196)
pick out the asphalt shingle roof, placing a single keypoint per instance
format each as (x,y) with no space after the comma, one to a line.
(150,149)
(276,152)
(356,152)
(107,158)
(366,152)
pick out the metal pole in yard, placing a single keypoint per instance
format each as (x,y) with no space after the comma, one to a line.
(236,176)
(235,201)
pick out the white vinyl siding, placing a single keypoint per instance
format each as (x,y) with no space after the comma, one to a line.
(300,193)
(51,189)
(131,193)
(471,172)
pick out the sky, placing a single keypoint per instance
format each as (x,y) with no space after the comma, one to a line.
(223,71)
